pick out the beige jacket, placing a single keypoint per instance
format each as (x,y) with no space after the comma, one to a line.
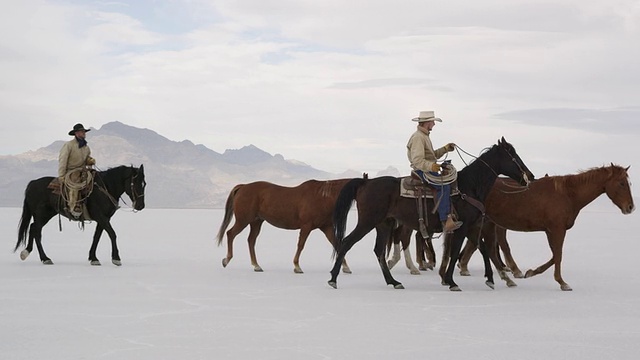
(421,153)
(72,157)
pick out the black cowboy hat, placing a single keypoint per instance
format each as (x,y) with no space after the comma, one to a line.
(77,127)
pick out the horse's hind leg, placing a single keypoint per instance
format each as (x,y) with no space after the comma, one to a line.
(253,236)
(383,233)
(469,248)
(510,263)
(35,233)
(347,243)
(236,229)
(556,241)
(425,253)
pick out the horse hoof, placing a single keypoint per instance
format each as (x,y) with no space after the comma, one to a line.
(298,270)
(333,284)
(455,288)
(258,269)
(47,262)
(399,286)
(225,262)
(116,262)
(566,287)
(465,273)
(24,254)
(415,272)
(510,283)
(491,285)
(528,274)
(346,271)
(95,263)
(518,275)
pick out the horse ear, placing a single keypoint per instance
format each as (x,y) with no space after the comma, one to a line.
(503,140)
(142,168)
(627,168)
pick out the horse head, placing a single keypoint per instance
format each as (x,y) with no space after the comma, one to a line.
(512,165)
(136,187)
(618,188)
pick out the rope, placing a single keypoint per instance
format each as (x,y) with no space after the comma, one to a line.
(86,180)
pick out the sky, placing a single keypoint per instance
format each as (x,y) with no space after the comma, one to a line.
(172,299)
(334,84)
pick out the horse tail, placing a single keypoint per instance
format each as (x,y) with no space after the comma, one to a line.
(23,226)
(228,213)
(343,205)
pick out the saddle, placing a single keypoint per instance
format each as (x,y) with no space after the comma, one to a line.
(56,188)
(413,187)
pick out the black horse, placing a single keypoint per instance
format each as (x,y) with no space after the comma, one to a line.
(380,206)
(41,204)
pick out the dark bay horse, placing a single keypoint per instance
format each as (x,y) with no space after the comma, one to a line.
(380,206)
(550,204)
(307,206)
(41,204)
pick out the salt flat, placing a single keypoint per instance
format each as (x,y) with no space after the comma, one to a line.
(172,299)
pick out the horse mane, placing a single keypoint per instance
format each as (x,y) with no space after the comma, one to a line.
(593,174)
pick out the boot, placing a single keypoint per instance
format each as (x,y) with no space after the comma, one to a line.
(451,225)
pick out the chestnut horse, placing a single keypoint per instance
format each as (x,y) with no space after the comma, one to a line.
(551,204)
(307,206)
(380,206)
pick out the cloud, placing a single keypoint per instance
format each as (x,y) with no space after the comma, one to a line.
(607,121)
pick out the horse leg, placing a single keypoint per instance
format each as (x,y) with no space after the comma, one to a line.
(446,249)
(395,255)
(556,242)
(489,236)
(236,229)
(35,233)
(115,253)
(383,233)
(469,248)
(302,240)
(457,239)
(343,247)
(253,236)
(510,263)
(429,251)
(488,272)
(328,232)
(93,259)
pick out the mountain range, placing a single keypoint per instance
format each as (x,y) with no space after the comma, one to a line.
(179,174)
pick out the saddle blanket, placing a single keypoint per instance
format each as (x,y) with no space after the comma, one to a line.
(411,187)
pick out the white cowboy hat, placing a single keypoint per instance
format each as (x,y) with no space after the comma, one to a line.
(426,116)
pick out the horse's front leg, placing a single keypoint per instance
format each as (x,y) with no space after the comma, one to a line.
(455,242)
(94,245)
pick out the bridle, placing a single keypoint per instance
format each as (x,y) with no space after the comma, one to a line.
(135,196)
(521,188)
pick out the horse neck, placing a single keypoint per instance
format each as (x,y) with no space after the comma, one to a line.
(477,178)
(114,181)
(586,186)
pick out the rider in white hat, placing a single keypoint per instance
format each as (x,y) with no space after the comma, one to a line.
(423,159)
(74,157)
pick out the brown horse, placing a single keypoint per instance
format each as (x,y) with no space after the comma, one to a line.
(551,204)
(307,206)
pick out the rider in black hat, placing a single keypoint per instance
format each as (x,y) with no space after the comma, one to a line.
(75,157)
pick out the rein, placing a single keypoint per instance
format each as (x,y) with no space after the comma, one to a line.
(520,188)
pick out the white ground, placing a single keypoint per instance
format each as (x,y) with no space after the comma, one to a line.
(171,298)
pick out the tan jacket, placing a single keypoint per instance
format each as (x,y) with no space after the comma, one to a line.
(421,153)
(72,157)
